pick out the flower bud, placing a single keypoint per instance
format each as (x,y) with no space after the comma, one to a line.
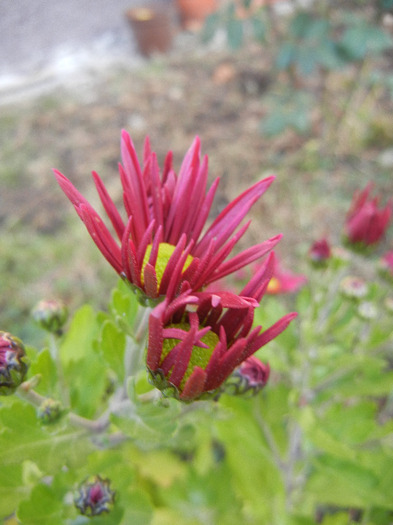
(367,311)
(353,287)
(13,363)
(249,378)
(320,252)
(50,315)
(94,496)
(50,411)
(367,222)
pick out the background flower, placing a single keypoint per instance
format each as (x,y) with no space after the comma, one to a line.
(366,223)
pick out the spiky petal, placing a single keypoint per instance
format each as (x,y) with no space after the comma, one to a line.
(165,217)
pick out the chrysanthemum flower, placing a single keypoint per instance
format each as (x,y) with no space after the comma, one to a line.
(366,223)
(192,351)
(161,241)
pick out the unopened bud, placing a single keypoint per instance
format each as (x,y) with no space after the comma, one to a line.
(13,363)
(51,316)
(50,411)
(320,252)
(249,378)
(94,496)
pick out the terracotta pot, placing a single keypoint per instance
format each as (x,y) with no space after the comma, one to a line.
(152,28)
(193,12)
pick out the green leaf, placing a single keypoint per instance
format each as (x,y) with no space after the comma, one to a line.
(259,29)
(80,336)
(210,27)
(44,507)
(88,381)
(254,472)
(273,124)
(111,345)
(23,438)
(234,29)
(46,368)
(148,422)
(124,306)
(138,510)
(285,55)
(342,483)
(11,488)
(300,24)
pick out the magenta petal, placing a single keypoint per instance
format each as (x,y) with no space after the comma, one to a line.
(101,236)
(227,299)
(244,258)
(154,347)
(133,184)
(150,281)
(228,362)
(228,220)
(194,386)
(109,206)
(271,333)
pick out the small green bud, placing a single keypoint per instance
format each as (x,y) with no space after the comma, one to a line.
(13,363)
(50,315)
(94,496)
(50,411)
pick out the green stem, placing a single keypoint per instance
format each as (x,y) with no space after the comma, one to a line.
(54,351)
(99,425)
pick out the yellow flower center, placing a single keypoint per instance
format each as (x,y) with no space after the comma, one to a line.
(165,252)
(274,286)
(199,356)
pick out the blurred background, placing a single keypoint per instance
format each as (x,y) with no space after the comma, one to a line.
(301,89)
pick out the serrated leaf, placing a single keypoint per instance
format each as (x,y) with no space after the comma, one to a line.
(23,438)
